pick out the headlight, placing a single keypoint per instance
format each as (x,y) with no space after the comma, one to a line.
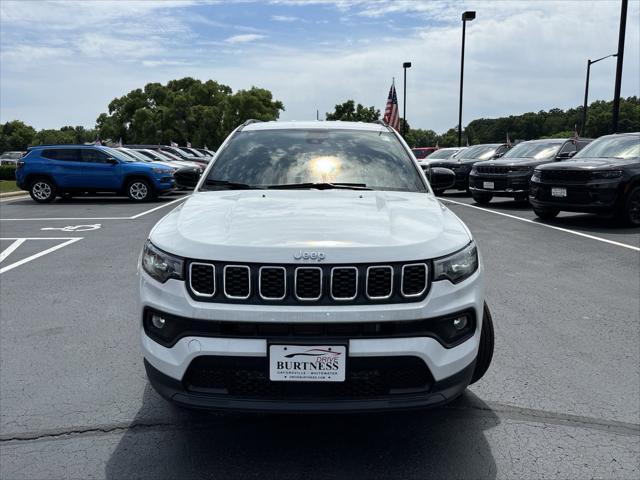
(161,170)
(458,266)
(537,174)
(607,174)
(160,265)
(474,171)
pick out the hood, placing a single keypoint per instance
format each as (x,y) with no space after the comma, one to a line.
(592,164)
(348,226)
(514,162)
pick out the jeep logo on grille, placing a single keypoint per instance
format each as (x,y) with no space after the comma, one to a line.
(311,256)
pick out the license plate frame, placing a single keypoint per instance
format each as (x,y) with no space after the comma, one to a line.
(302,353)
(489,185)
(559,192)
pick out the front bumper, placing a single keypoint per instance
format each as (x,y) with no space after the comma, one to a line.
(450,368)
(599,196)
(440,393)
(504,185)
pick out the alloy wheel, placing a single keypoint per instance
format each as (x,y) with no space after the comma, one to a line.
(138,191)
(42,191)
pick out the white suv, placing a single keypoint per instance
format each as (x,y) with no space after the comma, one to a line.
(313,269)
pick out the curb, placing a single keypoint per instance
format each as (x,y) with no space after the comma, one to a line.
(12,194)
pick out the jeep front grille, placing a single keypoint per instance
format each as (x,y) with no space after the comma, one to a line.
(295,284)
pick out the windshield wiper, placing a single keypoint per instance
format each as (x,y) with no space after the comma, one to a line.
(321,186)
(230,185)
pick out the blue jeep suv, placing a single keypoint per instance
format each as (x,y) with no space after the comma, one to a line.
(50,170)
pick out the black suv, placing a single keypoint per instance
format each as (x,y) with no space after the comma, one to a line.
(602,178)
(463,161)
(509,175)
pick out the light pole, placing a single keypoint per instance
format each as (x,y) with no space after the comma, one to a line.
(466,16)
(616,94)
(405,65)
(586,91)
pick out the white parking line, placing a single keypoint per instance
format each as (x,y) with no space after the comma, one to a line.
(69,241)
(11,248)
(553,227)
(133,217)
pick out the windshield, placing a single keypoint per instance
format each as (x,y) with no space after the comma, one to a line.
(536,150)
(443,153)
(122,156)
(623,146)
(266,158)
(136,155)
(481,152)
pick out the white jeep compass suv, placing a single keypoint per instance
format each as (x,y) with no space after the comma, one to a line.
(313,269)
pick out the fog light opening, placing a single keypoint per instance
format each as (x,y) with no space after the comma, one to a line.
(460,322)
(157,321)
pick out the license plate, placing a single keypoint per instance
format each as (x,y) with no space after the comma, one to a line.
(558,192)
(488,185)
(307,363)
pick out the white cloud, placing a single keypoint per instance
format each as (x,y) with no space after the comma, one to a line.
(521,56)
(284,18)
(245,38)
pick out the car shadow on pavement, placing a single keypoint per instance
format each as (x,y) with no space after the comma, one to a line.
(164,442)
(591,223)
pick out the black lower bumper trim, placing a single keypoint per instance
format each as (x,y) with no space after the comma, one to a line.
(441,392)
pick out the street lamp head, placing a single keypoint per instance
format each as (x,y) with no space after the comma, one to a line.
(468,16)
(406,65)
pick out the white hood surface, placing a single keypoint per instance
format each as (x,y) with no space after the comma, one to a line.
(348,226)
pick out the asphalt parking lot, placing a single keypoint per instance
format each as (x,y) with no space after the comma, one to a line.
(561,399)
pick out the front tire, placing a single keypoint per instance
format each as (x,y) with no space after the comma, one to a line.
(139,190)
(629,214)
(482,198)
(42,190)
(545,213)
(485,349)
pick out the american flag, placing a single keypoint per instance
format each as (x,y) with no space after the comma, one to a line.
(391,115)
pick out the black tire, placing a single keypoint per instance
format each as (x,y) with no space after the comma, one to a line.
(482,198)
(546,213)
(42,190)
(139,190)
(629,213)
(485,350)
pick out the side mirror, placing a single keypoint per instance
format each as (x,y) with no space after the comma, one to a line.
(498,155)
(112,161)
(441,178)
(565,155)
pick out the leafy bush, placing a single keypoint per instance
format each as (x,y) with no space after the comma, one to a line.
(7,172)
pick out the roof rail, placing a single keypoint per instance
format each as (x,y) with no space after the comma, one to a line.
(249,122)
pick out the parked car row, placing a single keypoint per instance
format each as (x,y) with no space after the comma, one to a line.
(141,171)
(553,175)
(11,158)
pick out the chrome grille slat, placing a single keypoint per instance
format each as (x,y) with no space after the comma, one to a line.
(414,279)
(203,282)
(344,280)
(233,280)
(297,284)
(308,283)
(377,279)
(268,278)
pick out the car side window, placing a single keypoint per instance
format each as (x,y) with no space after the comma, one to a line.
(63,154)
(90,155)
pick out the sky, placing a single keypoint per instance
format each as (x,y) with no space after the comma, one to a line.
(62,62)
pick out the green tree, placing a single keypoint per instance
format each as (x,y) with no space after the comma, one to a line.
(16,135)
(184,110)
(350,112)
(418,137)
